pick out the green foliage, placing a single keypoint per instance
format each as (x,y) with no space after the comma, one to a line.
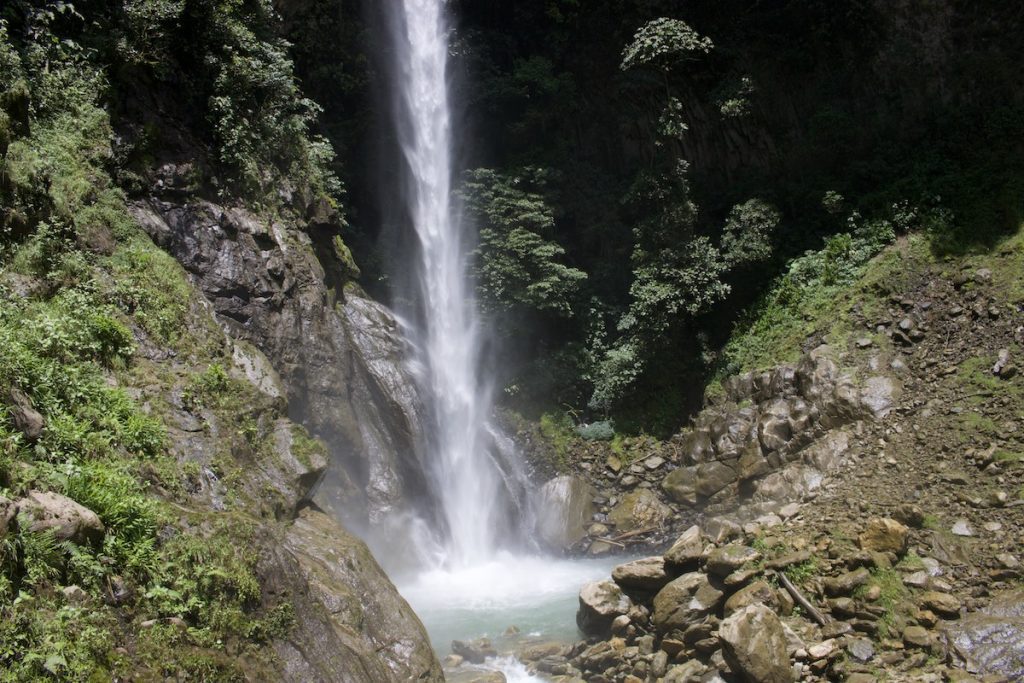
(662,43)
(518,267)
(749,229)
(602,430)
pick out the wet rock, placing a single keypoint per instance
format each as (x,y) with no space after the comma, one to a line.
(685,601)
(565,508)
(600,603)
(69,521)
(992,640)
(647,574)
(884,536)
(351,622)
(754,645)
(678,485)
(474,651)
(639,509)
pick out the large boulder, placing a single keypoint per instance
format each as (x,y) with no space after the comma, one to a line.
(754,645)
(679,486)
(47,511)
(565,507)
(23,416)
(685,601)
(728,558)
(351,623)
(639,509)
(992,640)
(600,603)
(686,551)
(646,575)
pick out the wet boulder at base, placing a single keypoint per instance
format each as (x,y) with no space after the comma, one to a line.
(565,508)
(600,603)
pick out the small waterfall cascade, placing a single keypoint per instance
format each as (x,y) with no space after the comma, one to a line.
(476,479)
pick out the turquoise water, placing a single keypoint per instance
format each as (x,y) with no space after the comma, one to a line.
(537,595)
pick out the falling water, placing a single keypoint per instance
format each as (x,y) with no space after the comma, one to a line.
(474,483)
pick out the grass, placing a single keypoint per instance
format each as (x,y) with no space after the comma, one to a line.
(893,595)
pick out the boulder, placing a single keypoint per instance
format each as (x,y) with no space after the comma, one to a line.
(712,477)
(754,646)
(727,559)
(992,640)
(844,584)
(638,510)
(678,485)
(773,428)
(647,574)
(943,604)
(565,508)
(758,592)
(884,536)
(600,603)
(69,521)
(879,394)
(685,601)
(686,551)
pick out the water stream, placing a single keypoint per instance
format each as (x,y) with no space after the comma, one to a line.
(486,576)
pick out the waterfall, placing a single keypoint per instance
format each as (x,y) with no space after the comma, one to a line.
(476,480)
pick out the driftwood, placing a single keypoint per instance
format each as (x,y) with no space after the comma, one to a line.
(802,601)
(631,534)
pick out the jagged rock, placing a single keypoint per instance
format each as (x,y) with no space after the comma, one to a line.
(600,603)
(69,521)
(774,427)
(647,574)
(474,651)
(879,395)
(861,649)
(638,510)
(884,536)
(754,645)
(721,529)
(293,469)
(687,549)
(564,510)
(992,640)
(727,559)
(685,601)
(24,418)
(712,477)
(602,654)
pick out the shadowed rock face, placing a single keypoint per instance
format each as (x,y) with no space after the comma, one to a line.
(340,356)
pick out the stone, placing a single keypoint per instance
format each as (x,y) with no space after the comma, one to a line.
(758,592)
(533,652)
(727,559)
(639,509)
(721,529)
(678,486)
(600,603)
(943,604)
(962,528)
(712,477)
(654,462)
(861,649)
(754,645)
(474,651)
(74,594)
(24,418)
(883,535)
(684,602)
(687,549)
(69,521)
(565,509)
(844,584)
(647,574)
(917,636)
(689,672)
(992,639)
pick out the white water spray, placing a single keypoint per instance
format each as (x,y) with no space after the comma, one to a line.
(470,475)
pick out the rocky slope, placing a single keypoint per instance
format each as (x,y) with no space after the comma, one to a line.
(856,517)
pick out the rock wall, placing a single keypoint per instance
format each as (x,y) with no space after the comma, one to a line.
(339,356)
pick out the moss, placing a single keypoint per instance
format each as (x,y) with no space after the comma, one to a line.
(305,447)
(893,595)
(557,431)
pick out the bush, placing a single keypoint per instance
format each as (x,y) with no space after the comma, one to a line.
(597,431)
